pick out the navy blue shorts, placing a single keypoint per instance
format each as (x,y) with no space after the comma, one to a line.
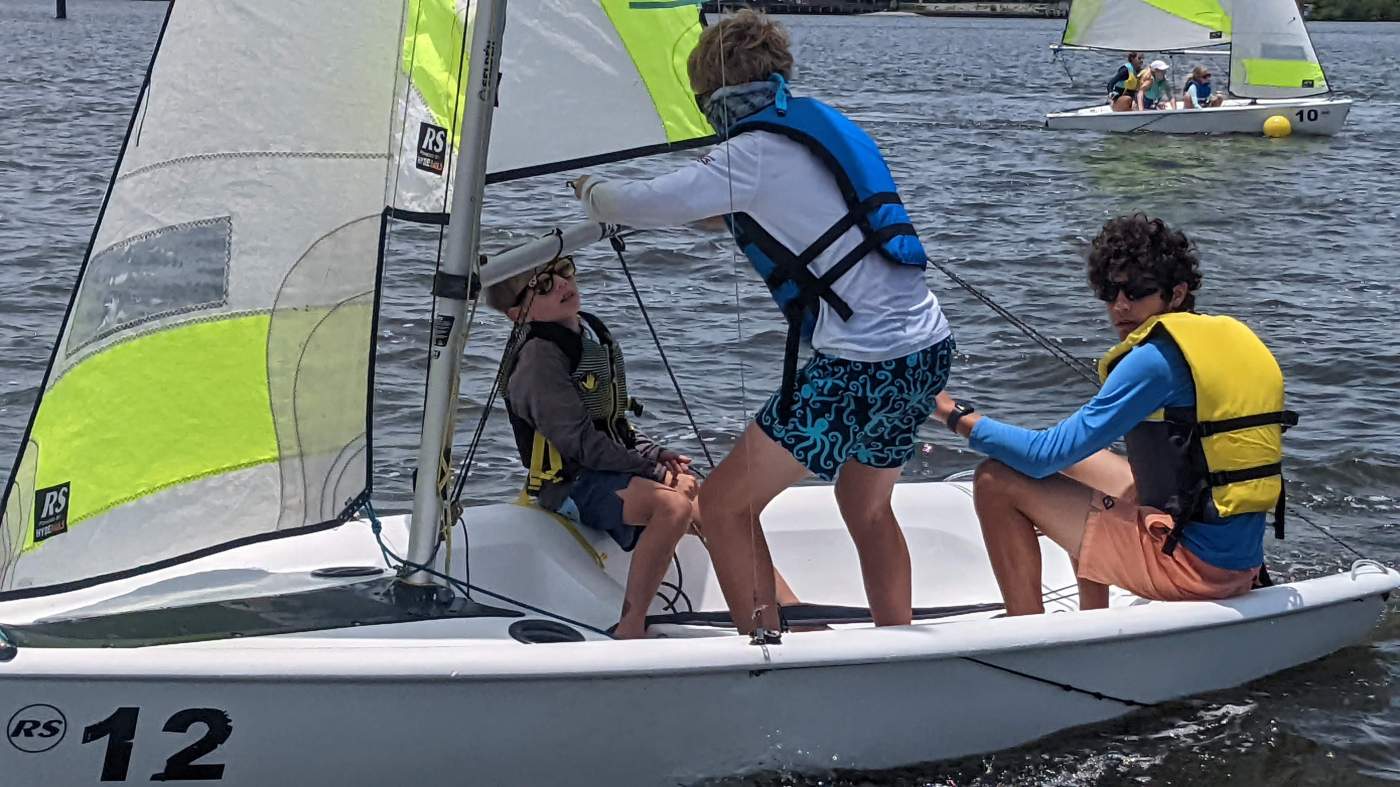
(866,411)
(593,503)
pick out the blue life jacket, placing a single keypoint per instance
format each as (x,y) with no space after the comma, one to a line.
(1202,91)
(873,205)
(871,198)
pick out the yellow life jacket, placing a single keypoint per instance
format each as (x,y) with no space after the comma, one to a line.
(1129,85)
(1224,456)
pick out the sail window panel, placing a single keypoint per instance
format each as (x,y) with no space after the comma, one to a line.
(168,271)
(1272,51)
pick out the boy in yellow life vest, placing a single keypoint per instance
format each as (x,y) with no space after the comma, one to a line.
(566,395)
(1199,400)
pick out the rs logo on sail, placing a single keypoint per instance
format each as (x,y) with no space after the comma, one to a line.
(50,511)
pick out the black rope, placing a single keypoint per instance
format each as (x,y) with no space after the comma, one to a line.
(1078,365)
(466,467)
(1324,531)
(466,588)
(1098,695)
(618,246)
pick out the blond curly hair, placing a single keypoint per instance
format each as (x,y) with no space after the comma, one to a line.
(746,47)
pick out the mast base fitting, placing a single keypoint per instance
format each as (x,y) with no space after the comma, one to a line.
(762,636)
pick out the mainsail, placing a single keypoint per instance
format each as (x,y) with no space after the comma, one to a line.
(1272,55)
(1149,25)
(211,383)
(581,83)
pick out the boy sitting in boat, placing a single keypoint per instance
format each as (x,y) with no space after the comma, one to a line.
(1199,400)
(566,394)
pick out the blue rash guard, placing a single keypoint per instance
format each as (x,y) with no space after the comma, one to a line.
(1151,376)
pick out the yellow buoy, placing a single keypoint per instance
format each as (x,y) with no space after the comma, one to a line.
(1277,126)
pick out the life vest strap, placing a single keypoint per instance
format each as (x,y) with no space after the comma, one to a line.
(1224,477)
(788,267)
(1285,418)
(546,464)
(871,242)
(793,345)
(846,222)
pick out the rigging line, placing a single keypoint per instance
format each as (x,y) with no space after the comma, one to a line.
(760,636)
(1327,532)
(1098,695)
(1077,365)
(390,557)
(517,328)
(618,246)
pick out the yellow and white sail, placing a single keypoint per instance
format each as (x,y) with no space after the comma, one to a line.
(1149,25)
(211,384)
(582,82)
(1272,55)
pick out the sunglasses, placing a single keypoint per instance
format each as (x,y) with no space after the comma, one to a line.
(543,282)
(1135,291)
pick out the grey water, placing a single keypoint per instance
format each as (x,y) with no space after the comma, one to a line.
(1297,236)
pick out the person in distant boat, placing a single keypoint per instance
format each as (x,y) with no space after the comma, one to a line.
(1123,87)
(1154,91)
(811,202)
(566,396)
(1199,400)
(1197,92)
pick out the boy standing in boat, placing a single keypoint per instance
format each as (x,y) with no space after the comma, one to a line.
(811,203)
(1199,400)
(566,394)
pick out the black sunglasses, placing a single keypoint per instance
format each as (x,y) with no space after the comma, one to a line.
(543,282)
(1108,293)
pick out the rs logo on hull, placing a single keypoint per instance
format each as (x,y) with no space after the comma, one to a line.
(36,728)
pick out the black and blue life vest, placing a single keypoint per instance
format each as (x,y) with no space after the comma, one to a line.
(1202,91)
(872,202)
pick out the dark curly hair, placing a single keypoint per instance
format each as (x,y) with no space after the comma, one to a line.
(1140,247)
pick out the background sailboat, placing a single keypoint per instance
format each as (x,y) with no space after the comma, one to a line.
(194,588)
(1274,70)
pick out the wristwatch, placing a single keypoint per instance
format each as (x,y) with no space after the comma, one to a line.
(959,410)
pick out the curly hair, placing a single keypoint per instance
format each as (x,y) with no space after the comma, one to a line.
(746,47)
(1141,247)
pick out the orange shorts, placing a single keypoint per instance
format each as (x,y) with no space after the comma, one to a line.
(1123,546)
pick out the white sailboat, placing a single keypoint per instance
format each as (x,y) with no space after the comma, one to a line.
(1274,70)
(194,587)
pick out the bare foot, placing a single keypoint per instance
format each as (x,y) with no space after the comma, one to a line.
(630,630)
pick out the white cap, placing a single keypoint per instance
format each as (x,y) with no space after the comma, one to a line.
(1160,65)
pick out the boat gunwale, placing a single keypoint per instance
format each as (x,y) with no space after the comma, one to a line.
(247,660)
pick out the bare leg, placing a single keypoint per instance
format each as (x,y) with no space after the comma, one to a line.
(664,515)
(1010,506)
(1123,104)
(1092,595)
(786,596)
(863,495)
(737,491)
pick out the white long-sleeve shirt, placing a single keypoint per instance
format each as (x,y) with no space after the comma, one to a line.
(785,188)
